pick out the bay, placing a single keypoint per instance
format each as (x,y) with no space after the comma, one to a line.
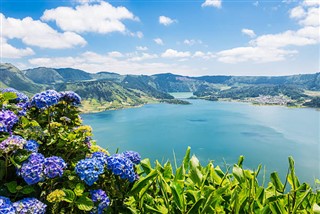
(218,131)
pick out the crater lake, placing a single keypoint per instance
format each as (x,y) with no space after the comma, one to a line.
(217,131)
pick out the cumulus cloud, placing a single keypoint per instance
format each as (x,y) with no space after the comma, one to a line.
(100,18)
(170,53)
(164,20)
(143,56)
(248,32)
(158,41)
(36,33)
(8,51)
(212,3)
(141,48)
(278,47)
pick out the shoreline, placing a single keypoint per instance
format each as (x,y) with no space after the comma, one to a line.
(194,98)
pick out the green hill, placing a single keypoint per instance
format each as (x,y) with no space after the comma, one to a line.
(11,76)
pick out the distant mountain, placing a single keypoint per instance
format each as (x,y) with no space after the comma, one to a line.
(50,76)
(44,75)
(11,76)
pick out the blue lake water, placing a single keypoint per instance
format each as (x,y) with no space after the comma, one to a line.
(218,131)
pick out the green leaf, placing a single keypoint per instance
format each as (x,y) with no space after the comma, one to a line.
(316,208)
(21,155)
(84,203)
(178,196)
(240,161)
(195,207)
(70,196)
(143,182)
(79,189)
(27,190)
(12,186)
(146,165)
(186,159)
(274,177)
(9,95)
(238,173)
(195,172)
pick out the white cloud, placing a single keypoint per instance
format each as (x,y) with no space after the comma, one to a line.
(200,54)
(312,17)
(278,47)
(212,3)
(164,20)
(170,53)
(143,56)
(256,3)
(100,18)
(248,32)
(141,48)
(255,54)
(137,34)
(115,54)
(297,12)
(36,33)
(8,51)
(93,62)
(191,42)
(158,41)
(311,2)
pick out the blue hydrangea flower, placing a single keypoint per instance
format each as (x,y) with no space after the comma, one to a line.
(32,169)
(12,143)
(133,156)
(100,156)
(98,195)
(103,205)
(21,97)
(23,107)
(54,166)
(122,166)
(30,205)
(89,170)
(7,120)
(45,99)
(32,146)
(6,206)
(70,97)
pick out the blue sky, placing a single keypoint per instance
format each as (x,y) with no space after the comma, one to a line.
(189,37)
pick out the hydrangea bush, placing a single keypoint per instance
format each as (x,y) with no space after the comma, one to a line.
(49,162)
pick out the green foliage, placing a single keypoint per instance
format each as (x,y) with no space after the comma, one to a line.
(207,189)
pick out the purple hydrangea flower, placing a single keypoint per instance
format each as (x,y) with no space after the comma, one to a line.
(54,166)
(21,97)
(30,205)
(32,169)
(7,120)
(133,156)
(31,146)
(23,107)
(6,206)
(100,156)
(98,195)
(12,143)
(70,97)
(122,166)
(89,170)
(45,99)
(87,141)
